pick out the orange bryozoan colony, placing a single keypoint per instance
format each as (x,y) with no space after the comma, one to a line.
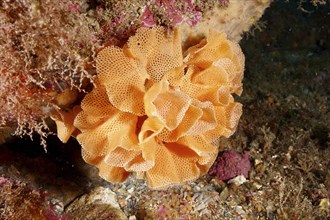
(158,111)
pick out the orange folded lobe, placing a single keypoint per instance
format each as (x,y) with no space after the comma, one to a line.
(158,112)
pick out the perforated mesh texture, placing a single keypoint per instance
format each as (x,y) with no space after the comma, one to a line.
(182,161)
(158,112)
(148,55)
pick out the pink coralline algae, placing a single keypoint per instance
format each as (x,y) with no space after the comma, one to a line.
(3,181)
(176,11)
(74,7)
(230,165)
(148,18)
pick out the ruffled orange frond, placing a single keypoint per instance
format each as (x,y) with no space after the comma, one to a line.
(64,123)
(159,112)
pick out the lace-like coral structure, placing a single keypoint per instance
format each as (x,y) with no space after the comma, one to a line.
(158,112)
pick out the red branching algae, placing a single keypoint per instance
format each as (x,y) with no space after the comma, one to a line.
(230,165)
(19,200)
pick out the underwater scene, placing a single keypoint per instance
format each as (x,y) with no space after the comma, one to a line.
(164,109)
